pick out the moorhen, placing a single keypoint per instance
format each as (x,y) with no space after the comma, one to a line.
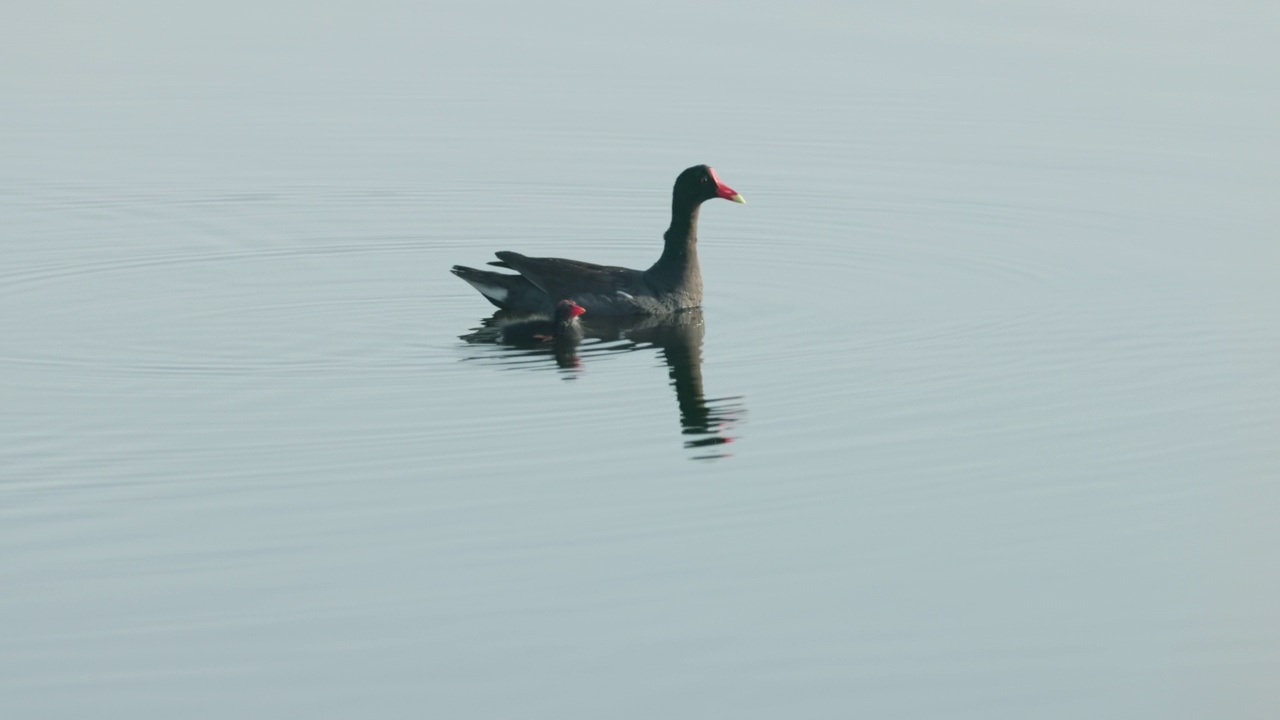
(563,328)
(673,283)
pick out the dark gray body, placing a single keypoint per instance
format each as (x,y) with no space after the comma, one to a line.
(673,283)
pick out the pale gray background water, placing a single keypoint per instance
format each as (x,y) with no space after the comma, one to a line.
(995,343)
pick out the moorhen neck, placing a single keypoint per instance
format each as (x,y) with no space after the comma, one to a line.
(673,283)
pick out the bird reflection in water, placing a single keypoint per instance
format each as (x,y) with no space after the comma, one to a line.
(707,424)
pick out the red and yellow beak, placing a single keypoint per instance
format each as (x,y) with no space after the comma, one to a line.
(725,191)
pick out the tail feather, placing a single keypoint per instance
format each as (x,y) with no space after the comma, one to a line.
(504,290)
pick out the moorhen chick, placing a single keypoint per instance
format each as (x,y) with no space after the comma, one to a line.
(673,283)
(562,329)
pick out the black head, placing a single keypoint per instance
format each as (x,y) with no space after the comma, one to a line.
(567,311)
(700,183)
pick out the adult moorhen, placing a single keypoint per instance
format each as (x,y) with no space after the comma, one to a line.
(563,328)
(673,283)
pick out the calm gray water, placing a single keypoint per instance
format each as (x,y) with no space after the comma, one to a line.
(979,419)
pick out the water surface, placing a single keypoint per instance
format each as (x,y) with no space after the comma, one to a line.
(978,420)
